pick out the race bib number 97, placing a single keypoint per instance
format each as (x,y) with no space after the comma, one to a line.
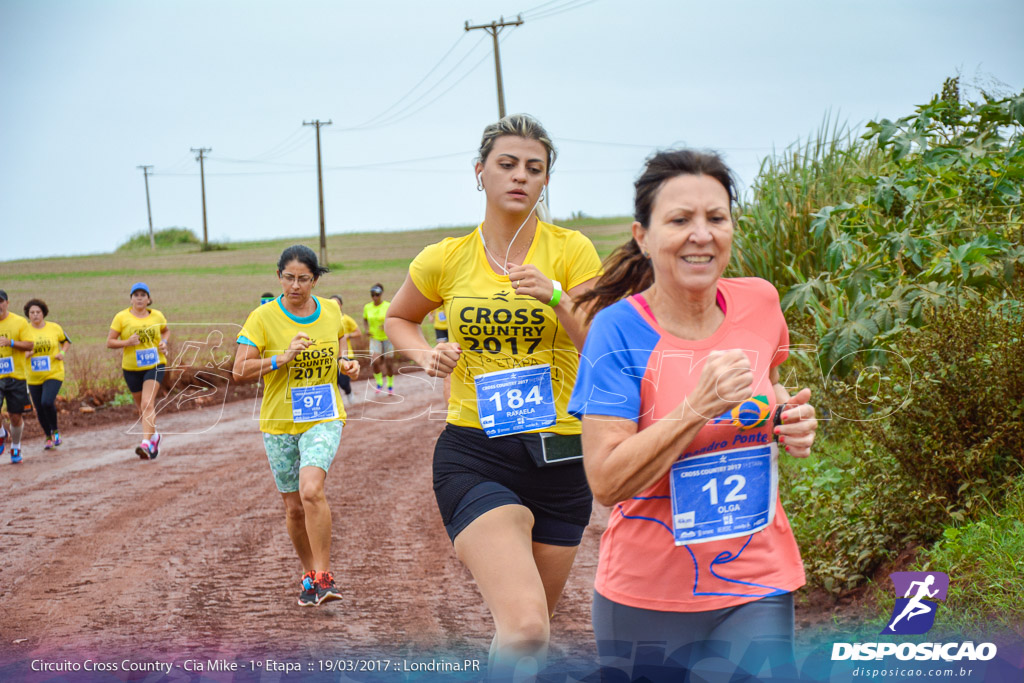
(315,403)
(515,401)
(724,494)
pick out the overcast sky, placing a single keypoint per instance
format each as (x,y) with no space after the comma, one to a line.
(93,88)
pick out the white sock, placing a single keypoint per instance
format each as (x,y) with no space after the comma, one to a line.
(3,432)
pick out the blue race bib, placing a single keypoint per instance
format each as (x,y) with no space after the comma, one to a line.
(724,494)
(515,401)
(145,358)
(314,403)
(40,363)
(6,366)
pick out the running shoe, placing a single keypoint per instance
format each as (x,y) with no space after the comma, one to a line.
(56,439)
(308,596)
(49,445)
(380,389)
(325,588)
(391,391)
(15,455)
(145,451)
(3,440)
(154,442)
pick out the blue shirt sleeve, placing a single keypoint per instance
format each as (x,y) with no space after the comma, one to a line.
(613,364)
(242,339)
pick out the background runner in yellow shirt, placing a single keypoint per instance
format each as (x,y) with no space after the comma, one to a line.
(13,389)
(45,366)
(293,343)
(381,350)
(507,468)
(351,330)
(141,333)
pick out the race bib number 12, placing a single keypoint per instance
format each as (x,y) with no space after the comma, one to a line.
(724,494)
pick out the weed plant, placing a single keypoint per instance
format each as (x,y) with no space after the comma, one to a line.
(167,237)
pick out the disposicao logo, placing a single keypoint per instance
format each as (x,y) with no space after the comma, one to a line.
(914,613)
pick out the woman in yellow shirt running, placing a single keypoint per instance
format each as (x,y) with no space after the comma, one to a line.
(292,342)
(507,469)
(45,371)
(141,333)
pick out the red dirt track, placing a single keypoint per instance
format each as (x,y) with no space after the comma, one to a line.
(102,553)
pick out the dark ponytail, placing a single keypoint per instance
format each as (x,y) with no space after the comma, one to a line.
(627,271)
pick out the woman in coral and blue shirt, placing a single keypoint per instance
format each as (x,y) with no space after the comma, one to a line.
(678,386)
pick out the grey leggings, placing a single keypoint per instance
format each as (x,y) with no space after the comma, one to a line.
(634,643)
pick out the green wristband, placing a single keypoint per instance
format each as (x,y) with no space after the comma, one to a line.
(556,295)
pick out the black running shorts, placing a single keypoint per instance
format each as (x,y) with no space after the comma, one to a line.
(474,474)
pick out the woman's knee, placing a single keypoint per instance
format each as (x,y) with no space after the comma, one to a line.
(529,628)
(312,492)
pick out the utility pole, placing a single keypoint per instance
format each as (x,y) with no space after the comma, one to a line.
(149,211)
(202,184)
(494,28)
(320,187)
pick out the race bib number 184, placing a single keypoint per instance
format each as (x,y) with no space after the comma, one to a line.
(515,401)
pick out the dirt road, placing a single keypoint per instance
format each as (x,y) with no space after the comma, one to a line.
(105,555)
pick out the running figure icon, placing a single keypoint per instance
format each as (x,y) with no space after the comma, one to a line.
(915,607)
(920,592)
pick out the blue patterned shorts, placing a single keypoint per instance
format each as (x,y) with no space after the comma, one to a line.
(288,453)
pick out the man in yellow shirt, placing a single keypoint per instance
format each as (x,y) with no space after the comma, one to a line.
(381,349)
(13,390)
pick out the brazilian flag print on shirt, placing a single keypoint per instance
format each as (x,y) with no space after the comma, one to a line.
(497,329)
(270,328)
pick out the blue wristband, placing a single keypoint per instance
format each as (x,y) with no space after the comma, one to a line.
(273,362)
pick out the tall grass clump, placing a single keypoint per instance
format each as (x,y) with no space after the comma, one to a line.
(774,240)
(167,237)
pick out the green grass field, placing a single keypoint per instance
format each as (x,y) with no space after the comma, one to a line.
(199,291)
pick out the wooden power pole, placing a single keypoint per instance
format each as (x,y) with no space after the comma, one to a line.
(320,188)
(149,211)
(494,28)
(202,184)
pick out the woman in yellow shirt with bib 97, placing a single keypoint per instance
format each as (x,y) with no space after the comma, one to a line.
(507,469)
(293,343)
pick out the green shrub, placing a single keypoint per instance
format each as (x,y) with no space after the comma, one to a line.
(942,456)
(984,563)
(168,237)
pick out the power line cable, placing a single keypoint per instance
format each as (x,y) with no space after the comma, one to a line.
(401,114)
(418,84)
(561,9)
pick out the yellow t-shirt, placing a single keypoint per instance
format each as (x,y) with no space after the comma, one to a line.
(348,326)
(271,329)
(375,319)
(440,319)
(148,329)
(12,327)
(46,344)
(498,330)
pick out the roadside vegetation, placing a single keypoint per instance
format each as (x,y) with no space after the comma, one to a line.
(899,258)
